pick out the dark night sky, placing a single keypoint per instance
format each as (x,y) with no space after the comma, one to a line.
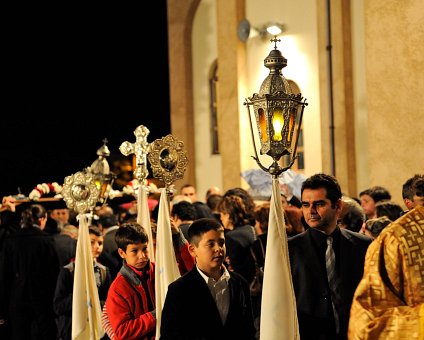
(73,77)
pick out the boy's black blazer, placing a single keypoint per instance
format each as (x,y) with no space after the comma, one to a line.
(190,311)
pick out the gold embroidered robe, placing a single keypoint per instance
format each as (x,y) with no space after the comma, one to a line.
(389,301)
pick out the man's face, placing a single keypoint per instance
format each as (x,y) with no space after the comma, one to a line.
(318,210)
(210,253)
(368,204)
(61,215)
(189,192)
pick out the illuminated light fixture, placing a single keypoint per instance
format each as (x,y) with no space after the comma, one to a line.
(275,29)
(265,31)
(278,114)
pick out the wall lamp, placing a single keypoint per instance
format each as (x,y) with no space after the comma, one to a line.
(265,31)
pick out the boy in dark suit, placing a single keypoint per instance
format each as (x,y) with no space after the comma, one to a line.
(209,302)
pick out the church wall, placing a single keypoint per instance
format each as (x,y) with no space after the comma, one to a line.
(394,65)
(204,41)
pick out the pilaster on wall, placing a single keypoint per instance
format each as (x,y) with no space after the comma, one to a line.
(180,22)
(336,93)
(394,56)
(231,62)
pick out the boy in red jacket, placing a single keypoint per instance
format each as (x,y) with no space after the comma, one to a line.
(130,303)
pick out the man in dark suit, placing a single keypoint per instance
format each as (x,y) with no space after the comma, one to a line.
(208,302)
(323,300)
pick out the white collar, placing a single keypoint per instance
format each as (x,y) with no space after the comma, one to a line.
(225,275)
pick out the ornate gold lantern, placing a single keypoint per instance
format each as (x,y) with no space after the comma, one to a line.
(278,114)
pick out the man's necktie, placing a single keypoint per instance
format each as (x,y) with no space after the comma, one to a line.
(330,264)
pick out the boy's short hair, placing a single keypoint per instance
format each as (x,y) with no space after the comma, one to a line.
(130,233)
(202,226)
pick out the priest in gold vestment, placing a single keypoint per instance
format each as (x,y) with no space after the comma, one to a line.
(389,301)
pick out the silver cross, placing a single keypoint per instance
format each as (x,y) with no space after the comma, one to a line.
(140,148)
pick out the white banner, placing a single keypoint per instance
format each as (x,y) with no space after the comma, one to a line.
(86,309)
(278,312)
(166,270)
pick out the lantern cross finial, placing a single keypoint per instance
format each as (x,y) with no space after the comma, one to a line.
(140,148)
(275,40)
(105,141)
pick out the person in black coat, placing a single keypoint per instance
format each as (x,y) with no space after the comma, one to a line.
(28,274)
(208,302)
(321,206)
(63,296)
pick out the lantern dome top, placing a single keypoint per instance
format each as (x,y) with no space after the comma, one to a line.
(275,81)
(101,165)
(103,150)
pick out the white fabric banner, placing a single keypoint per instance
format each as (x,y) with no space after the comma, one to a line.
(278,312)
(86,309)
(143,218)
(166,270)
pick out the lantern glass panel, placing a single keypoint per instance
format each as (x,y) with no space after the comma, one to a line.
(277,124)
(262,125)
(291,125)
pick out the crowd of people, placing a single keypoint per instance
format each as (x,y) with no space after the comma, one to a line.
(357,265)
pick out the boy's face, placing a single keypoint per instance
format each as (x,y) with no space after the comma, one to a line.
(96,246)
(136,255)
(210,253)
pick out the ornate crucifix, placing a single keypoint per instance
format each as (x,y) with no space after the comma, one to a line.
(140,148)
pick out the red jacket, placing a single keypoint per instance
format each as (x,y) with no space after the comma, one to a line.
(184,259)
(127,305)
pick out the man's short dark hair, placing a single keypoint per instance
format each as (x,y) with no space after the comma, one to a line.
(130,233)
(418,187)
(328,182)
(202,226)
(388,208)
(186,211)
(213,201)
(108,220)
(407,190)
(377,193)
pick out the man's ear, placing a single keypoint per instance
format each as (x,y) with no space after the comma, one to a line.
(339,205)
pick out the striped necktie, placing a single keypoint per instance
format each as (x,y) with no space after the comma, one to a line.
(330,264)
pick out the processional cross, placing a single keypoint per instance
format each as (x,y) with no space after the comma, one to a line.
(140,149)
